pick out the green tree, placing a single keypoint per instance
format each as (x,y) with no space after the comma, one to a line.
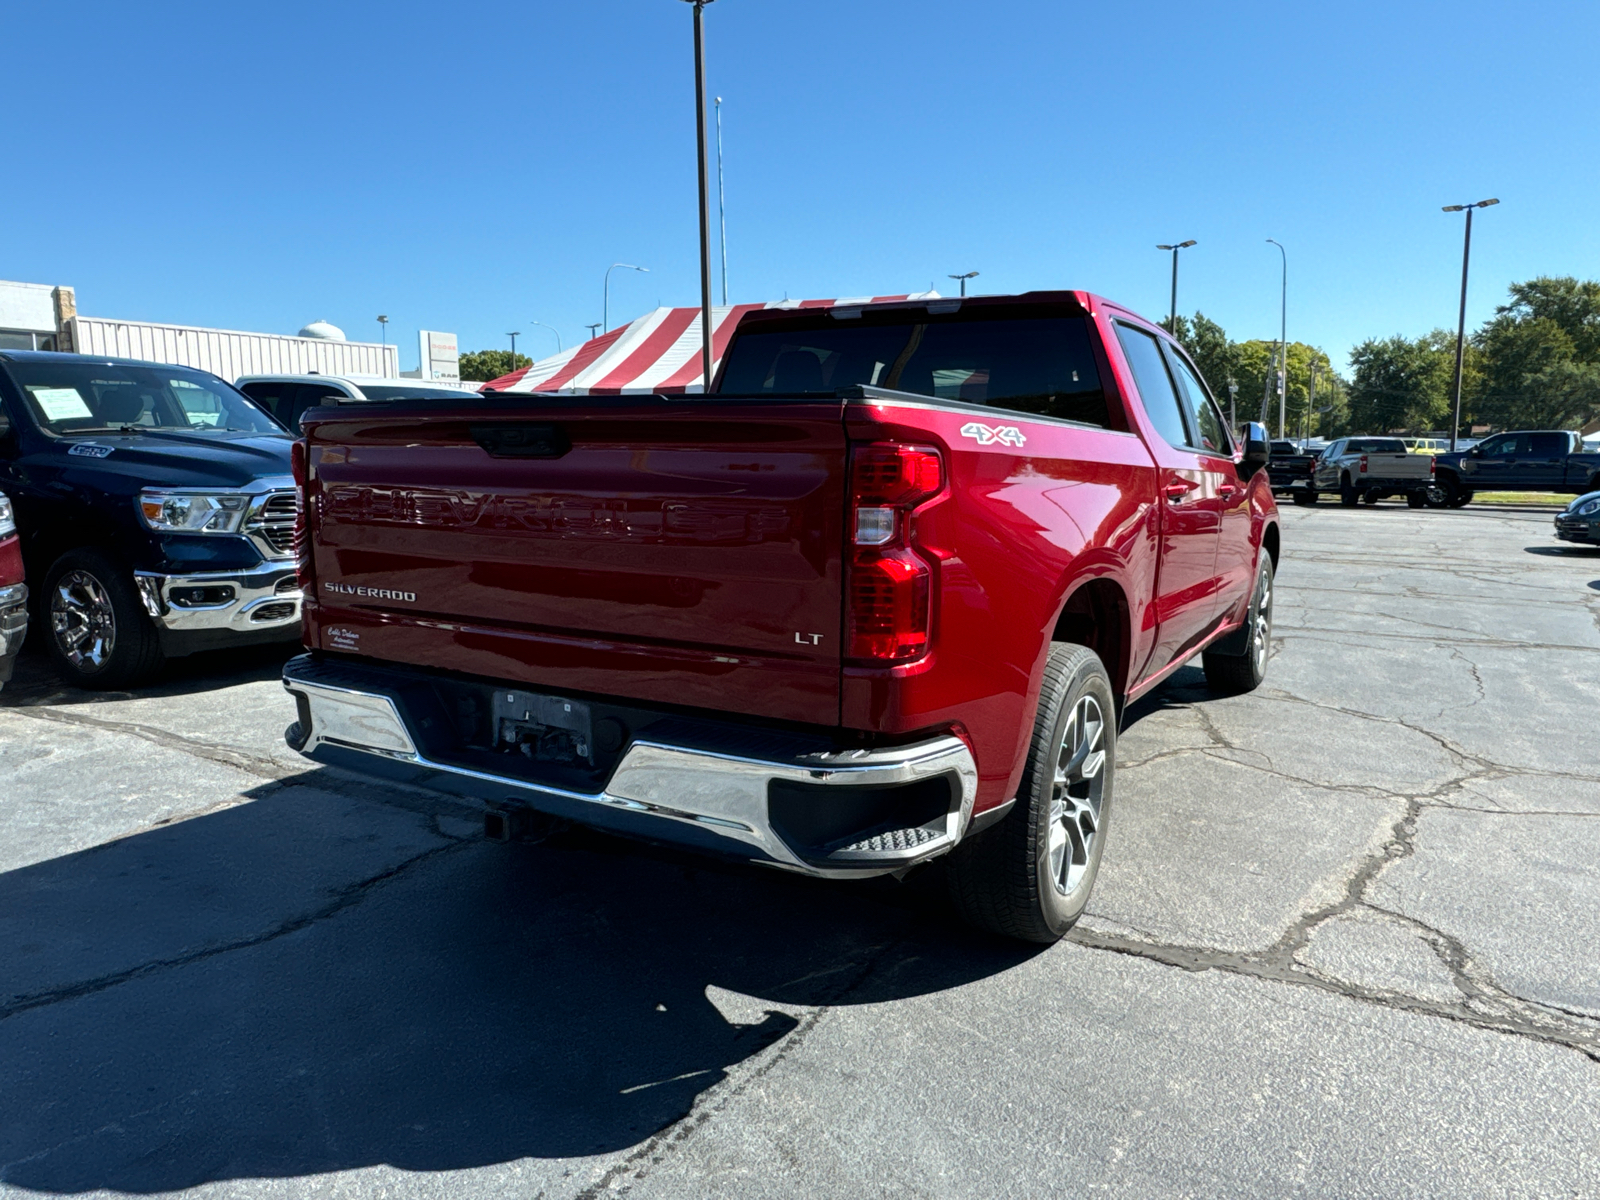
(483,365)
(1539,357)
(1248,364)
(1398,384)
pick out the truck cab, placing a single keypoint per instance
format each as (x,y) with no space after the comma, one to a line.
(156,511)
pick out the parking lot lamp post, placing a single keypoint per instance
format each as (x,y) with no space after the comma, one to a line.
(1461,327)
(513,337)
(383,329)
(591,328)
(552,329)
(962,279)
(705,188)
(722,205)
(605,294)
(1172,317)
(1233,405)
(1283,338)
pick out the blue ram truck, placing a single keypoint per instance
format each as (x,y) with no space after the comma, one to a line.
(156,509)
(1538,460)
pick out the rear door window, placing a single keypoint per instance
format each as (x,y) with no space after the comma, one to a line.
(276,398)
(1161,402)
(1549,445)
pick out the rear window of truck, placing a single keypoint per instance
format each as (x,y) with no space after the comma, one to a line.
(1039,365)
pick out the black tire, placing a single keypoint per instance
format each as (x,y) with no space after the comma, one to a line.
(1007,879)
(1348,496)
(95,627)
(1371,497)
(1415,500)
(1235,673)
(1455,496)
(1305,497)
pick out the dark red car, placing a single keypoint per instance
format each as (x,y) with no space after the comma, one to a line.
(881,596)
(13,592)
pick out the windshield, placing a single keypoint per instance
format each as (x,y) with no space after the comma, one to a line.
(1376,446)
(1041,365)
(1284,448)
(89,397)
(374,391)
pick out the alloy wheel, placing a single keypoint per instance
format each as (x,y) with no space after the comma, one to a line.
(82,619)
(1261,624)
(1077,795)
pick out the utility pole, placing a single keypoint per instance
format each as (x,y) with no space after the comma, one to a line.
(1172,318)
(1283,339)
(722,206)
(1311,404)
(705,208)
(1461,327)
(1233,405)
(513,337)
(1266,389)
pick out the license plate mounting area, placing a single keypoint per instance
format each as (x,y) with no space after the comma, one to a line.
(543,728)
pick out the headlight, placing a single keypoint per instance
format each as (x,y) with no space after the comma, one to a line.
(1589,509)
(8,518)
(192,512)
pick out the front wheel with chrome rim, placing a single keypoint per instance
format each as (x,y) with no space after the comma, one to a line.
(1238,663)
(99,635)
(1029,876)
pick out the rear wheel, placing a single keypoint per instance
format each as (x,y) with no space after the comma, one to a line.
(99,635)
(1415,499)
(1304,497)
(1456,496)
(1348,496)
(1370,497)
(1232,674)
(1029,876)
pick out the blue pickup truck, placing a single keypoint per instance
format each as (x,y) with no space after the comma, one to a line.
(156,509)
(1538,460)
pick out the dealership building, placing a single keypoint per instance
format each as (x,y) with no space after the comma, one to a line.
(36,316)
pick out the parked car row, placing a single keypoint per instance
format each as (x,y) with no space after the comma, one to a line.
(153,506)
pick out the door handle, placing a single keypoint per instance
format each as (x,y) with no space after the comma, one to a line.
(1228,491)
(1177,489)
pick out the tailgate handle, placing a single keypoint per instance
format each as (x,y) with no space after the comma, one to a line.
(521,440)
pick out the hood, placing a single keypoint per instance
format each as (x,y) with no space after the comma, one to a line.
(126,462)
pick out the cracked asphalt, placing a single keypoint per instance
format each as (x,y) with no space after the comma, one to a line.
(1343,944)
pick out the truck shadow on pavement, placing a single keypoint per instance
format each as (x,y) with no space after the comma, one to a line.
(316,982)
(36,681)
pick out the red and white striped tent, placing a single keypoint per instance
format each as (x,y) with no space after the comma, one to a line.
(659,352)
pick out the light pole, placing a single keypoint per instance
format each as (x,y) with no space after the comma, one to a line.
(963,279)
(705,208)
(605,293)
(513,337)
(383,329)
(1461,328)
(1172,320)
(722,205)
(1233,405)
(1283,338)
(591,329)
(552,329)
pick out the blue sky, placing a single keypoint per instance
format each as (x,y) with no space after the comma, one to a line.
(476,166)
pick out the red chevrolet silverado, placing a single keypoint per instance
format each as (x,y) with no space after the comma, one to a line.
(880,596)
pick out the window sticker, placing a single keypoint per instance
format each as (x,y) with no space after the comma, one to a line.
(60,404)
(91,450)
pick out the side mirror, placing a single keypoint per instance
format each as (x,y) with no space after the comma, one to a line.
(1257,449)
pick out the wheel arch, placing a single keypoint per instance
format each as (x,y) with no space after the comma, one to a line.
(1270,543)
(1096,614)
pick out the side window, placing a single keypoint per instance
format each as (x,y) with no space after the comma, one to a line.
(1549,445)
(1504,444)
(1155,385)
(1204,418)
(276,398)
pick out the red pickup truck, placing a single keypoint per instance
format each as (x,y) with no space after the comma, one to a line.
(881,596)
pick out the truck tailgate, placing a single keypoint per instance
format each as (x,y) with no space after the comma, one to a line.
(1402,465)
(670,552)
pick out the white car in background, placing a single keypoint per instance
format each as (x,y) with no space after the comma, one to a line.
(287,396)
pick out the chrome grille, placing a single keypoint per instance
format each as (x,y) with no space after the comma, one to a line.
(272,522)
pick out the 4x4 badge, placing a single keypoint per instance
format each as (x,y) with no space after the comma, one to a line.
(987,435)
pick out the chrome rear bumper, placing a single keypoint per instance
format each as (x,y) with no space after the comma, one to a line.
(657,789)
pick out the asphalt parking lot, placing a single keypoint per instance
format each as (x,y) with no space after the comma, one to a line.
(1343,944)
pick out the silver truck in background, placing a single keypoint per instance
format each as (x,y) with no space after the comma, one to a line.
(1368,469)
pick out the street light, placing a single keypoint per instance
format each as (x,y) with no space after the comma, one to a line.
(1172,320)
(552,329)
(513,337)
(705,211)
(1461,328)
(1233,405)
(1283,339)
(383,329)
(591,328)
(963,279)
(722,205)
(605,298)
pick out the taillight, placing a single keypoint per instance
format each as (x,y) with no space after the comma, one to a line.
(1433,464)
(302,543)
(889,609)
(1363,464)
